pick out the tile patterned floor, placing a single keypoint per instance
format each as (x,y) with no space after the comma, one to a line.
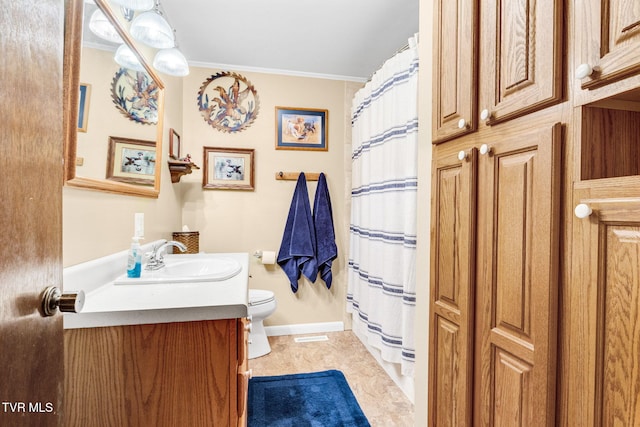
(384,404)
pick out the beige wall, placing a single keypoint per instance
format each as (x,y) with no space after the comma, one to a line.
(248,221)
(424,209)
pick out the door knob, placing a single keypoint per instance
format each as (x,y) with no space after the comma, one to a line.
(583,210)
(54,300)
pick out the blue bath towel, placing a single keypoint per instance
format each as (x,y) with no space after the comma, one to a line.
(326,249)
(297,250)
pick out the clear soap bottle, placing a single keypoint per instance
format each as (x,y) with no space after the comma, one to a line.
(134,259)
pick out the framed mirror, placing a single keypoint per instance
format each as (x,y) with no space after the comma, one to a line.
(96,114)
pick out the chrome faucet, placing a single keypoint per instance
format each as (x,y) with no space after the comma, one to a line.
(156,257)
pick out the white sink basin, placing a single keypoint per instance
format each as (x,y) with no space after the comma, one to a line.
(186,269)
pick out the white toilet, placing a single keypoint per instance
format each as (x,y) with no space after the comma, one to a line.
(261,305)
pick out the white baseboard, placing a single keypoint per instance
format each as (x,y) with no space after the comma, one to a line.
(304,328)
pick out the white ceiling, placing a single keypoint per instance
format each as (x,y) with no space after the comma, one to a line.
(345,39)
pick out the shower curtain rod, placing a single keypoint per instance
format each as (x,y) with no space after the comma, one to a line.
(402,49)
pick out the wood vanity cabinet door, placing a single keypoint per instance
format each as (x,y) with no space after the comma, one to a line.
(243,373)
(168,374)
(454,68)
(517,278)
(604,305)
(521,55)
(607,38)
(452,288)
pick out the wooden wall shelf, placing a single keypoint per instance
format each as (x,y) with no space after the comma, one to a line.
(179,168)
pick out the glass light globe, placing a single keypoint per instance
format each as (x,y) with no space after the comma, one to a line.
(103,28)
(153,30)
(171,61)
(126,58)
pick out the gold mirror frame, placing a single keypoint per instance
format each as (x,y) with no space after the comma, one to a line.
(72,56)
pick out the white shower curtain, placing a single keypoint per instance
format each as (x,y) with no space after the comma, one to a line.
(382,255)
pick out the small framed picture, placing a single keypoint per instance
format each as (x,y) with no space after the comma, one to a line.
(228,169)
(174,144)
(83,106)
(131,160)
(302,129)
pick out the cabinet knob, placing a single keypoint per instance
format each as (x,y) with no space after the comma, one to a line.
(485,149)
(248,327)
(583,70)
(485,115)
(462,124)
(462,155)
(583,210)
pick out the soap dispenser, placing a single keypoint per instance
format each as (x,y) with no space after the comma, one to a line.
(134,260)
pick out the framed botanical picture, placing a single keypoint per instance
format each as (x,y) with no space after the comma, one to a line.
(131,160)
(228,169)
(83,106)
(302,129)
(174,144)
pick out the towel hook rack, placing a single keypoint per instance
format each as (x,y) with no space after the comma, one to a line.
(293,176)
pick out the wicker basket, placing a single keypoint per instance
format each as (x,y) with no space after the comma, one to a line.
(191,239)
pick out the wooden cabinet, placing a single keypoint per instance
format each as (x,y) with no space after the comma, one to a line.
(455,68)
(452,288)
(243,371)
(520,57)
(604,306)
(515,46)
(166,374)
(607,41)
(494,283)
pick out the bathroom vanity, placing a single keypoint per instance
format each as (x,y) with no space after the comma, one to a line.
(167,354)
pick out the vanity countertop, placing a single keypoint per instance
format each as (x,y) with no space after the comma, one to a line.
(117,305)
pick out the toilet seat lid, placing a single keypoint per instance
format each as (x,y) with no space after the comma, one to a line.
(259,296)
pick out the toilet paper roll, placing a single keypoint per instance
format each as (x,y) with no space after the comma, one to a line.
(268,257)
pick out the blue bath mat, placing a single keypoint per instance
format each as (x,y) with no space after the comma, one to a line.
(318,399)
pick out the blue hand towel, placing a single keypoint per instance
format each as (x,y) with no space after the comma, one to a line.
(326,249)
(297,250)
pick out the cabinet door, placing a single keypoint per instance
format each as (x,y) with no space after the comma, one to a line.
(452,284)
(454,68)
(607,38)
(604,305)
(243,372)
(521,57)
(517,282)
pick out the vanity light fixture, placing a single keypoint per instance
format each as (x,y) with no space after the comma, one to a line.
(100,25)
(135,4)
(126,58)
(171,61)
(152,29)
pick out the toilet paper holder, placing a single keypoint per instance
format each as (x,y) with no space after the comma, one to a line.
(266,257)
